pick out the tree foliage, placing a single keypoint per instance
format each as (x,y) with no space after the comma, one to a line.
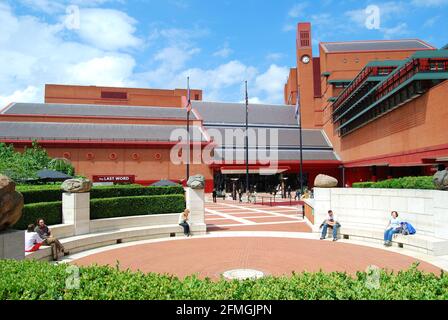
(25,165)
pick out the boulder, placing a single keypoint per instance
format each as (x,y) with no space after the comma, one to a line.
(441,180)
(196,182)
(11,203)
(77,186)
(324,181)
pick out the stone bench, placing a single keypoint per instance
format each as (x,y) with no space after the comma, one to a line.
(421,243)
(77,244)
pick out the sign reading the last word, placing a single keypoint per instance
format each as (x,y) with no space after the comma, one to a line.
(114,179)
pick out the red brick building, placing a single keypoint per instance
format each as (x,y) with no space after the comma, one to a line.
(383,104)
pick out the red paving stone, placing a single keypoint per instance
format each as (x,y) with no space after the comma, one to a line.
(274,256)
(285,227)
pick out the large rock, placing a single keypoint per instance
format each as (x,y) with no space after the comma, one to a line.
(196,182)
(441,180)
(324,181)
(77,186)
(11,203)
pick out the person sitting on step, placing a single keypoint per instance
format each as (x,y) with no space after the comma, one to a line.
(184,222)
(392,228)
(330,222)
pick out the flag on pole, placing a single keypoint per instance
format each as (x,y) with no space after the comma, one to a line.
(188,96)
(297,115)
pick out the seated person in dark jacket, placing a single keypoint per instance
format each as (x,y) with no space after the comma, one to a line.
(45,233)
(331,222)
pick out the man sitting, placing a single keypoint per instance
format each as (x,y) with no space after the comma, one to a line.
(331,222)
(44,233)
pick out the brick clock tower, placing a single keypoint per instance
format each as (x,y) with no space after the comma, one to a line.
(306,68)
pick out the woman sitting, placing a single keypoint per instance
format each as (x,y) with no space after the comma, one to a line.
(33,241)
(392,228)
(184,222)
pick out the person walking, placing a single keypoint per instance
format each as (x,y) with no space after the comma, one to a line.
(215,195)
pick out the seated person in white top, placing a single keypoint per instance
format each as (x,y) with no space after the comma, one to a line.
(331,222)
(184,222)
(392,228)
(32,240)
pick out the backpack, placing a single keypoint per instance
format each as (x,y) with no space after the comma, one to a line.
(407,229)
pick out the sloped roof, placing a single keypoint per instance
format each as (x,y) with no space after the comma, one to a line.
(95,110)
(235,113)
(376,45)
(282,138)
(233,155)
(95,132)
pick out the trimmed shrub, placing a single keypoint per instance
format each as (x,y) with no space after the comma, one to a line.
(363,185)
(51,193)
(133,191)
(136,206)
(22,280)
(50,211)
(39,194)
(422,183)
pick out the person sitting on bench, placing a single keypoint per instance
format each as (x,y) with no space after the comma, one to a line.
(184,222)
(392,228)
(32,240)
(49,240)
(331,222)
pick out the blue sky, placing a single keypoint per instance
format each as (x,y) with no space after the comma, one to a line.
(157,44)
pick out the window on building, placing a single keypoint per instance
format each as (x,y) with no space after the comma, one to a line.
(114,95)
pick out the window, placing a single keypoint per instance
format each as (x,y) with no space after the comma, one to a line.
(114,95)
(436,66)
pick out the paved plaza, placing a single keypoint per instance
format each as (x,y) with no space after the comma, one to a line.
(273,240)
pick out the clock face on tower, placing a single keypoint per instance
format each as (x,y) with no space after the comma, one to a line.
(306,59)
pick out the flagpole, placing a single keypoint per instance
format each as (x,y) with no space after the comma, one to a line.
(247,140)
(188,127)
(301,139)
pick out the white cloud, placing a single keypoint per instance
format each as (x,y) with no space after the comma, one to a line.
(275,56)
(30,94)
(395,32)
(271,84)
(224,52)
(58,6)
(288,27)
(30,59)
(429,3)
(107,29)
(105,71)
(298,10)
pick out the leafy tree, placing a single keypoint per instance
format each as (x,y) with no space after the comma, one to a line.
(25,165)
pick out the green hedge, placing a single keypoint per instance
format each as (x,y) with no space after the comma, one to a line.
(104,208)
(29,280)
(50,193)
(136,206)
(425,183)
(50,211)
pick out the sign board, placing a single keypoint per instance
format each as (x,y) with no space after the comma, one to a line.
(114,179)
